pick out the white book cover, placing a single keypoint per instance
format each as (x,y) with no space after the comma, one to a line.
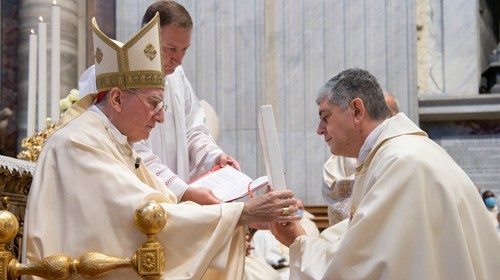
(271,148)
(229,184)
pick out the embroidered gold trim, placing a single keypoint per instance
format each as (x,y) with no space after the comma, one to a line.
(98,55)
(107,81)
(352,212)
(150,51)
(144,78)
(130,80)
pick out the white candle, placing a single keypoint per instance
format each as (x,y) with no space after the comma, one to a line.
(82,41)
(42,73)
(32,84)
(55,77)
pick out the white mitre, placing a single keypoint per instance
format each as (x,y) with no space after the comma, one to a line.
(135,64)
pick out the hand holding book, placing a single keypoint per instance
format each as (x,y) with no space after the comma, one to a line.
(229,184)
(200,195)
(224,160)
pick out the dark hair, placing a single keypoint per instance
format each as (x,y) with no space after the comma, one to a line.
(487,194)
(356,83)
(171,13)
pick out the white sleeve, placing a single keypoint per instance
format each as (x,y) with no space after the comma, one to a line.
(154,164)
(202,149)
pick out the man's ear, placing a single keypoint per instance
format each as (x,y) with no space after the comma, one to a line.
(115,99)
(359,109)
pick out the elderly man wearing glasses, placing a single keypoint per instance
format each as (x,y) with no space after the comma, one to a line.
(181,148)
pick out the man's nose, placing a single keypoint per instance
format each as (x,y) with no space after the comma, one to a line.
(320,130)
(179,55)
(160,116)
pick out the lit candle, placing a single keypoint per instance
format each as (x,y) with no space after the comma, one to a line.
(32,84)
(42,73)
(55,77)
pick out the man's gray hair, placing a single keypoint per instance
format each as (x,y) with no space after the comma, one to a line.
(355,83)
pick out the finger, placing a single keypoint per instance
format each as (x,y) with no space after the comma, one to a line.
(237,166)
(290,210)
(286,202)
(212,198)
(210,192)
(233,163)
(261,225)
(287,219)
(216,200)
(274,195)
(283,193)
(223,160)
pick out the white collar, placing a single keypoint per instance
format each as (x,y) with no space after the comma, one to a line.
(369,142)
(119,137)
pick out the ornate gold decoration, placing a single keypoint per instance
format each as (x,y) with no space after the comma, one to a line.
(34,144)
(98,55)
(148,261)
(129,80)
(15,182)
(150,51)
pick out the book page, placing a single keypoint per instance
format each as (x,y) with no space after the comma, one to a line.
(228,184)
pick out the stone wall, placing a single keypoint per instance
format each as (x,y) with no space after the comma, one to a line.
(250,53)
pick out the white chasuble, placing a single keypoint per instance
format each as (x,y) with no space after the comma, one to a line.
(84,194)
(415,214)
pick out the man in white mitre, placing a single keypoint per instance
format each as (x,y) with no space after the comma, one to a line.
(89,181)
(414,213)
(180,148)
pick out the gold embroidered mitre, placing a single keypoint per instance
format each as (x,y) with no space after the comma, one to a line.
(135,64)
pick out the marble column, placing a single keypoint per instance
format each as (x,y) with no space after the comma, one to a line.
(429,47)
(29,11)
(273,36)
(448,50)
(105,15)
(129,16)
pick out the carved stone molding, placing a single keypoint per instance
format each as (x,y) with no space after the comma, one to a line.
(453,108)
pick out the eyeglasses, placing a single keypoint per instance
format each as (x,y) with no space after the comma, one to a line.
(157,104)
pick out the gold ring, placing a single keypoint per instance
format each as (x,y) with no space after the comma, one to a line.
(285,211)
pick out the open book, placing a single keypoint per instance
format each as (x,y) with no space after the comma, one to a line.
(229,184)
